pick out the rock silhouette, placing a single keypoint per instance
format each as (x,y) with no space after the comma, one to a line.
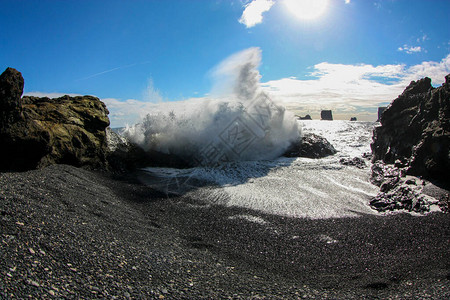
(326,115)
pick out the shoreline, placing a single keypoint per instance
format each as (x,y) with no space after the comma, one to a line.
(68,232)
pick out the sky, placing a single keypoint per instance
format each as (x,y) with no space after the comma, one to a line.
(350,56)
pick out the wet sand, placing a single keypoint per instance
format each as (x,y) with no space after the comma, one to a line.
(68,232)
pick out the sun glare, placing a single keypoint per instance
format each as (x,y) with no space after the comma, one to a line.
(306,9)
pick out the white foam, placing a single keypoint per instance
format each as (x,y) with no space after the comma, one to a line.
(295,187)
(351,139)
(241,122)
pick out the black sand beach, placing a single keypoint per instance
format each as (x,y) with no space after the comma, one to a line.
(71,233)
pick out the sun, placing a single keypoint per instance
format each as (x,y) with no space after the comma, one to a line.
(306,9)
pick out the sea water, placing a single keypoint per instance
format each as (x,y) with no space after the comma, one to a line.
(294,187)
(236,138)
(238,122)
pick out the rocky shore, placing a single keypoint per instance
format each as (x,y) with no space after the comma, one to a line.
(72,233)
(411,149)
(76,221)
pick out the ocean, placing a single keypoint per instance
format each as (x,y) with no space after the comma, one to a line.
(294,187)
(236,137)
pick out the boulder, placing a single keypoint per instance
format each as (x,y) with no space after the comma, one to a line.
(353,119)
(37,132)
(312,146)
(415,129)
(326,115)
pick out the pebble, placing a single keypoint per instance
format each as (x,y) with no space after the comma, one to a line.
(410,181)
(118,287)
(94,288)
(33,283)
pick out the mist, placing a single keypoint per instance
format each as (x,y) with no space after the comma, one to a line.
(238,122)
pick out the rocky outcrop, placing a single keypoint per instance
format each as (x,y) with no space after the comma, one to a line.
(37,132)
(307,117)
(400,191)
(326,115)
(415,129)
(353,119)
(411,149)
(312,146)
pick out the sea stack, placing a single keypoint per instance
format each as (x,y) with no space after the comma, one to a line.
(326,115)
(307,117)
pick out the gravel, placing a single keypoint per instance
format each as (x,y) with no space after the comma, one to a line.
(72,233)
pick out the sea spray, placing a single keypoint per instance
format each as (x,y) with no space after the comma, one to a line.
(241,122)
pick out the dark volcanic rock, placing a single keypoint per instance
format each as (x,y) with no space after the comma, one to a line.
(125,156)
(37,132)
(353,119)
(413,139)
(307,117)
(401,191)
(311,146)
(11,89)
(415,128)
(326,115)
(356,162)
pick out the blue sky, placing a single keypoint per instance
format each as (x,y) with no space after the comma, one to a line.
(356,55)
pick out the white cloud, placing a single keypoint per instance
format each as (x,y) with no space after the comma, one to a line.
(349,90)
(410,49)
(253,11)
(347,1)
(435,70)
(129,112)
(49,95)
(352,88)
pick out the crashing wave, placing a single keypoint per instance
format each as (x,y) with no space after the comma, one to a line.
(241,123)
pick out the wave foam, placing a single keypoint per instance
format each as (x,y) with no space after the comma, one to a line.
(241,123)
